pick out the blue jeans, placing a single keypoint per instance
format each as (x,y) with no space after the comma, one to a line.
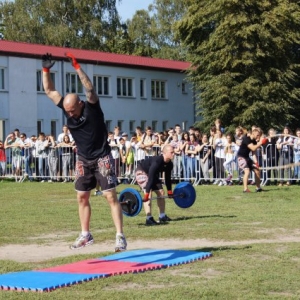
(191,164)
(27,162)
(297,168)
(184,167)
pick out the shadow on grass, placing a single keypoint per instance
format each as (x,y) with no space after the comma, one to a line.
(202,217)
(190,218)
(222,248)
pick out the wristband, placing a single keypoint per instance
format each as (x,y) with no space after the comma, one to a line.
(146,197)
(46,70)
(76,66)
(170,194)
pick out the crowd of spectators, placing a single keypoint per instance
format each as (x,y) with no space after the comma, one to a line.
(200,158)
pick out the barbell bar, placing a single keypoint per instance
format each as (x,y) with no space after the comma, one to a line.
(132,202)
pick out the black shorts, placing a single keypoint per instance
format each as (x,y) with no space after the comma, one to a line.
(90,172)
(245,163)
(141,178)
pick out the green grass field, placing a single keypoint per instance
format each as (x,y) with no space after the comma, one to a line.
(254,239)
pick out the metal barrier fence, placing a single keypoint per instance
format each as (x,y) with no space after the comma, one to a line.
(57,164)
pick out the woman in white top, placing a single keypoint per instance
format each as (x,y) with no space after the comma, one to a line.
(219,146)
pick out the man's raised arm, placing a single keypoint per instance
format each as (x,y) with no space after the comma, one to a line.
(90,92)
(49,88)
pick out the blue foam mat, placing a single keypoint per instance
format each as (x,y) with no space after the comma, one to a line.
(166,257)
(37,281)
(47,281)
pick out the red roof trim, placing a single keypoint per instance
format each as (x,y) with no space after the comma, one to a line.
(89,56)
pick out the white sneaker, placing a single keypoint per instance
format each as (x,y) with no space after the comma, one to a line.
(50,180)
(121,243)
(216,181)
(224,182)
(221,183)
(82,241)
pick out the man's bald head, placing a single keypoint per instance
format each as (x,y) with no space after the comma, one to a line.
(73,105)
(168,153)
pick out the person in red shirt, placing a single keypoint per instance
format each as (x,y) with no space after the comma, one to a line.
(2,160)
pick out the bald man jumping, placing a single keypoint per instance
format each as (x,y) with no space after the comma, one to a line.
(148,173)
(94,163)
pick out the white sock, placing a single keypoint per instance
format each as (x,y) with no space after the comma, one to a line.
(162,215)
(149,217)
(84,233)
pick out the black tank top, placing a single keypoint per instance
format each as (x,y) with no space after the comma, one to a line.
(89,131)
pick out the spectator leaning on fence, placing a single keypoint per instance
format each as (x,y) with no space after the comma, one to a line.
(220,143)
(285,147)
(204,151)
(114,145)
(13,143)
(191,152)
(67,155)
(52,159)
(148,140)
(2,160)
(42,145)
(230,157)
(26,145)
(272,155)
(297,154)
(185,138)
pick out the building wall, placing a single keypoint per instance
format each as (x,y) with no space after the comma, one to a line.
(21,106)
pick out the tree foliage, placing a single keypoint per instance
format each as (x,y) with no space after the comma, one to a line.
(152,31)
(86,24)
(245,61)
(95,25)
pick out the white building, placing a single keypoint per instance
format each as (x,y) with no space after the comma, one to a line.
(134,91)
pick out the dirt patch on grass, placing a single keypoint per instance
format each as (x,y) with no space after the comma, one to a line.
(41,252)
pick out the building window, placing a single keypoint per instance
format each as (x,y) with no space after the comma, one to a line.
(184,88)
(165,125)
(2,82)
(101,84)
(39,127)
(73,84)
(143,125)
(154,126)
(2,130)
(158,89)
(108,125)
(120,124)
(53,128)
(143,88)
(124,87)
(184,125)
(131,126)
(39,80)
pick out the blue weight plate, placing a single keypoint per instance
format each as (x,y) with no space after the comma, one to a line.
(131,202)
(184,195)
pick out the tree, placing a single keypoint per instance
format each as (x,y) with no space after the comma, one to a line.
(245,67)
(151,31)
(140,34)
(86,24)
(165,14)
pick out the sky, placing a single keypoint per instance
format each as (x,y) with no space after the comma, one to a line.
(128,7)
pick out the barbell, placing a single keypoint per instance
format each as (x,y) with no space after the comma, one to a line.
(184,196)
